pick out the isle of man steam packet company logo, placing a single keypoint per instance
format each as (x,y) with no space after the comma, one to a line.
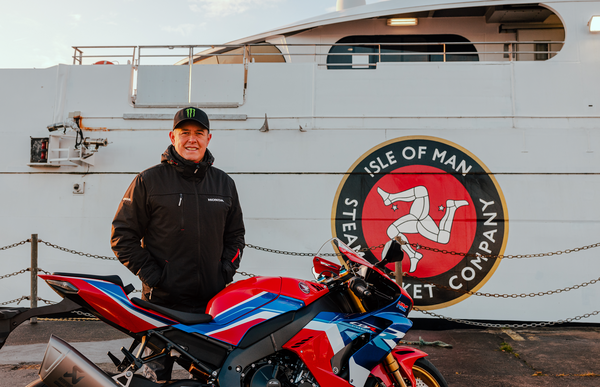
(433,194)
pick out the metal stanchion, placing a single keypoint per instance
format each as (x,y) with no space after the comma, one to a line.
(399,273)
(34,272)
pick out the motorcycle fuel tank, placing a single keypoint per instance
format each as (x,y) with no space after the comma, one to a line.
(245,296)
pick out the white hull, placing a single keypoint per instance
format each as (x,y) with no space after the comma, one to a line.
(533,124)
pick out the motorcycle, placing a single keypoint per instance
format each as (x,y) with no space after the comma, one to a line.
(343,329)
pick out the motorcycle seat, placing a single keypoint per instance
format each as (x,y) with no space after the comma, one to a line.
(183,317)
(115,279)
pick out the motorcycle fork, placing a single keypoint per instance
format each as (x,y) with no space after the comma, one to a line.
(391,362)
(394,369)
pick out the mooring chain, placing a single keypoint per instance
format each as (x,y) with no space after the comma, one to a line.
(78,252)
(21,272)
(416,246)
(15,273)
(510,256)
(489,325)
(85,314)
(283,252)
(496,295)
(15,244)
(17,300)
(245,274)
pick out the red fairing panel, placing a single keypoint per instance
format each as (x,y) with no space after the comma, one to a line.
(302,290)
(113,304)
(406,358)
(314,348)
(241,291)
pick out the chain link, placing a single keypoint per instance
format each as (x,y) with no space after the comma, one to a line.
(85,314)
(15,273)
(246,274)
(77,252)
(496,295)
(489,325)
(21,272)
(17,300)
(418,246)
(15,244)
(283,252)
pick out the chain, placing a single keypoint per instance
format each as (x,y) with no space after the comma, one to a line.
(15,273)
(496,295)
(418,246)
(515,256)
(15,245)
(246,274)
(283,252)
(18,300)
(77,252)
(85,314)
(21,272)
(279,251)
(489,325)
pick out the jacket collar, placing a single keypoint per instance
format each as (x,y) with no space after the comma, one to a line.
(188,169)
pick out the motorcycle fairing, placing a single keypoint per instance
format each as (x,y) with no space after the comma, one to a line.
(329,333)
(226,306)
(110,302)
(233,332)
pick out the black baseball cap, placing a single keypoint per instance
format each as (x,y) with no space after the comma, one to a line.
(191,114)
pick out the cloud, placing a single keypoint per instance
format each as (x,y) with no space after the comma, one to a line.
(221,8)
(183,29)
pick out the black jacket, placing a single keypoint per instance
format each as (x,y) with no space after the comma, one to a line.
(179,228)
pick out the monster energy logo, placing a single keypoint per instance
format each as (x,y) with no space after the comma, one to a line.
(191,112)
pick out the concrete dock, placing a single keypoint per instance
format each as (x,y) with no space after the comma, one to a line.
(554,356)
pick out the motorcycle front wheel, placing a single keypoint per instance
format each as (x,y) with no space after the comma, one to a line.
(426,375)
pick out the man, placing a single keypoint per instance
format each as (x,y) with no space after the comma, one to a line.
(179,227)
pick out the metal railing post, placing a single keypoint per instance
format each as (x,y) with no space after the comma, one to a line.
(190,63)
(399,273)
(34,272)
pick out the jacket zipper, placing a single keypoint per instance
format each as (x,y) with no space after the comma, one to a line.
(198,229)
(181,209)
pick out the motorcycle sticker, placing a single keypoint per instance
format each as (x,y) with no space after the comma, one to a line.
(438,198)
(303,287)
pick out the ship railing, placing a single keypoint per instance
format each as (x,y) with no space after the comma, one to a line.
(78,56)
(245,53)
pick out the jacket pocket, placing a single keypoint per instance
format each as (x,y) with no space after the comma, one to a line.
(159,292)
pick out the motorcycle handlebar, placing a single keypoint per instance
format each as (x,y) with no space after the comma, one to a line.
(360,287)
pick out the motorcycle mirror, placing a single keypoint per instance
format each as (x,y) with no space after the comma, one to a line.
(315,274)
(392,252)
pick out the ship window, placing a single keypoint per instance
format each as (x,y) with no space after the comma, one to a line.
(541,51)
(362,52)
(258,53)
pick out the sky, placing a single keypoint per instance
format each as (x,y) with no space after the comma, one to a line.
(41,33)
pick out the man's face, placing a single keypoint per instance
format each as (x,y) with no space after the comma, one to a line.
(190,140)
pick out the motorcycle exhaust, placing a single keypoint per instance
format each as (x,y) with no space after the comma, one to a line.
(64,366)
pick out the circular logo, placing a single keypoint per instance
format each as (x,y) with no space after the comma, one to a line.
(439,199)
(304,287)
